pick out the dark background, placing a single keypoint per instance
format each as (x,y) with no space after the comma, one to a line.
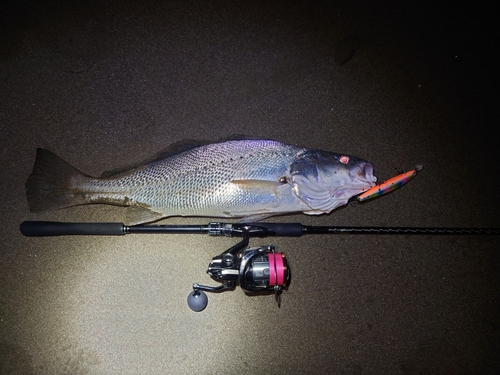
(105,84)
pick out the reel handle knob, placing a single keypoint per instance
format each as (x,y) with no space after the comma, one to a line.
(197,300)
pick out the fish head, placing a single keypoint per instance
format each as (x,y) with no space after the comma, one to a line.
(327,180)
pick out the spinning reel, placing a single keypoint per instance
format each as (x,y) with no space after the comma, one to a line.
(254,269)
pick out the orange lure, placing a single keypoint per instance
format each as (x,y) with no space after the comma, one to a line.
(389,185)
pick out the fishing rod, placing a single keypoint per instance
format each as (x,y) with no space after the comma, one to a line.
(218,229)
(255,269)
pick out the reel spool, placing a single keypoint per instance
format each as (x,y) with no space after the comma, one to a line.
(255,270)
(262,269)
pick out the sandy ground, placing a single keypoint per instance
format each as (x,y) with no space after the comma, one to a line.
(105,84)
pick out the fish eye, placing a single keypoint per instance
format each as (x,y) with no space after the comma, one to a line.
(344,159)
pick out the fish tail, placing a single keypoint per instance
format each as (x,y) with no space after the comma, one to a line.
(53,184)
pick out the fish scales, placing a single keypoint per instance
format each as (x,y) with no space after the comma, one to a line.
(197,180)
(249,179)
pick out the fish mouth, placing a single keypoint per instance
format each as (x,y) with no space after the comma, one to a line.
(362,179)
(362,175)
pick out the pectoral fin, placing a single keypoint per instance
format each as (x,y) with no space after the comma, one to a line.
(265,195)
(262,185)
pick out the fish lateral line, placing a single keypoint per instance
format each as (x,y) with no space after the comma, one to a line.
(389,185)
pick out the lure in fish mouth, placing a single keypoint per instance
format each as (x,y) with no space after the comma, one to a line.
(241,178)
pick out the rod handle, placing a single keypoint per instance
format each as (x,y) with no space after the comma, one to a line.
(271,229)
(53,228)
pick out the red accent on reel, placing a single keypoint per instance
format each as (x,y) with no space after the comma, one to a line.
(276,269)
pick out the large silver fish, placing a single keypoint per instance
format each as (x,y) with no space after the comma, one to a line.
(243,178)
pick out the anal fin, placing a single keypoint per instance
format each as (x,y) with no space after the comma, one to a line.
(139,215)
(256,217)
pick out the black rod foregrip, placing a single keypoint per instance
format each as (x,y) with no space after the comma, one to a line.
(53,228)
(276,229)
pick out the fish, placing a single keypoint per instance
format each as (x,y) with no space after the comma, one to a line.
(245,178)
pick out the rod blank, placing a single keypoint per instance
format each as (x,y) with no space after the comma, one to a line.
(402,230)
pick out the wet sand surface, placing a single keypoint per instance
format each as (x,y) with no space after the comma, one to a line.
(106,85)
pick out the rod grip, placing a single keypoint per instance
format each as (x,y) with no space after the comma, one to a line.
(279,229)
(53,228)
(285,229)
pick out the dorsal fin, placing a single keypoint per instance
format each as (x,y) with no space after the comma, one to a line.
(173,149)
